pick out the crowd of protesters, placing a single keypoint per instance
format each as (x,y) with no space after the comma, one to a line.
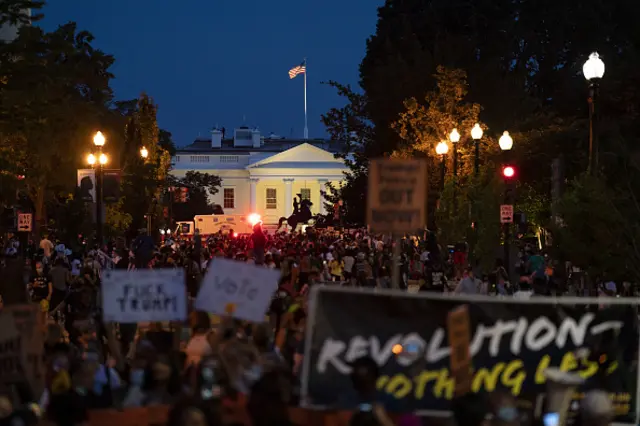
(198,367)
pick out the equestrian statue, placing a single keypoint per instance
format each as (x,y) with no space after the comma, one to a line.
(301,213)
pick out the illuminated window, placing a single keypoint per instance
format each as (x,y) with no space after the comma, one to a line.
(272,199)
(229,198)
(305,194)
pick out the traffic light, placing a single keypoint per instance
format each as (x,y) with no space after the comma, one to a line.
(508,172)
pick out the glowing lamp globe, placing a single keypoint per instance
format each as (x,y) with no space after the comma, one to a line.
(103,159)
(594,67)
(508,172)
(91,159)
(442,148)
(476,132)
(99,139)
(505,141)
(454,136)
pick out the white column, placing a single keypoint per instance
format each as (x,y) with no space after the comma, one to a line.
(323,188)
(252,194)
(288,196)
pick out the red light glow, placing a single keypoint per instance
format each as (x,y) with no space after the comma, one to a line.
(508,172)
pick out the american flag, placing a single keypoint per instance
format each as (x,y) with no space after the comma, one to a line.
(299,69)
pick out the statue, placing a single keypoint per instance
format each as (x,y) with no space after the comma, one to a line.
(301,213)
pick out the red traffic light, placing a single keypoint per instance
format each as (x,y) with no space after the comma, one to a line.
(508,172)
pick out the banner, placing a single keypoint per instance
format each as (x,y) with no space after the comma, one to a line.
(144,295)
(512,343)
(87,184)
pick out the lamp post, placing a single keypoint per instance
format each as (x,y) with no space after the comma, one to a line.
(100,160)
(441,149)
(454,137)
(508,172)
(476,135)
(593,70)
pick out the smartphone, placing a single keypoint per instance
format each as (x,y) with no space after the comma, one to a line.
(551,419)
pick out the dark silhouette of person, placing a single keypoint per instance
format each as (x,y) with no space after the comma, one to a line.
(296,206)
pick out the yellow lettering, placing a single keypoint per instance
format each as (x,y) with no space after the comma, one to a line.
(568,362)
(512,378)
(444,385)
(612,367)
(421,382)
(399,386)
(382,381)
(488,378)
(543,365)
(591,369)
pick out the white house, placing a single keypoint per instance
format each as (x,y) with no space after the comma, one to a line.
(263,174)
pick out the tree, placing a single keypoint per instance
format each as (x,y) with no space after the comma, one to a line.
(14,12)
(144,180)
(351,125)
(200,187)
(55,93)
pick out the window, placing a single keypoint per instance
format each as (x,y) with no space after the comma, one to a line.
(228,158)
(272,199)
(199,158)
(229,198)
(305,194)
(177,158)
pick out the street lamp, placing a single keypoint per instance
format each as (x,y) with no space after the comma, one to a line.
(593,70)
(100,160)
(441,149)
(144,152)
(505,141)
(454,137)
(476,135)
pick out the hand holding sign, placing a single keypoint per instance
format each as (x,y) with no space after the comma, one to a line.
(238,289)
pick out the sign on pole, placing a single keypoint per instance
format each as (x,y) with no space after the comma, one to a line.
(238,289)
(25,222)
(397,195)
(142,295)
(506,213)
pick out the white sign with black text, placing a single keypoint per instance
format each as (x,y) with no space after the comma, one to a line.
(239,289)
(25,222)
(144,295)
(506,213)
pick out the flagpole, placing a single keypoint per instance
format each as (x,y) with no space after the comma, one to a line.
(306,129)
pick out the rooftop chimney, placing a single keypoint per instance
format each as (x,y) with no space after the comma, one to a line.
(216,138)
(255,137)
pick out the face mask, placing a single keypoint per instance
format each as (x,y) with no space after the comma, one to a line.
(208,375)
(137,377)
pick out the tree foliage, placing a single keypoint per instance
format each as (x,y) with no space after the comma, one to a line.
(55,93)
(14,12)
(201,186)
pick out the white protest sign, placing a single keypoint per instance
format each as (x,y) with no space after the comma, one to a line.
(239,289)
(144,295)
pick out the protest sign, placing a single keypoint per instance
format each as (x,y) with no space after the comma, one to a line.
(140,295)
(397,195)
(513,342)
(29,326)
(10,350)
(239,289)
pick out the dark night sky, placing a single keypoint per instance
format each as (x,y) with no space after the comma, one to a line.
(208,62)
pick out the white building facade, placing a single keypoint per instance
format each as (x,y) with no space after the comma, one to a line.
(263,175)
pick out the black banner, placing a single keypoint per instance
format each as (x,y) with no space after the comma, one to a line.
(511,343)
